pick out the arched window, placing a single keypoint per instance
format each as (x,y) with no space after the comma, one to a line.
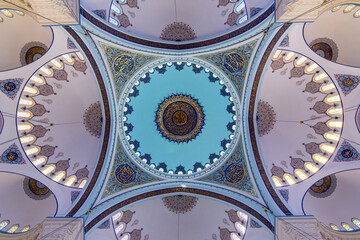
(82,183)
(120,228)
(328,87)
(333,226)
(327,148)
(311,167)
(336,8)
(24,114)
(277,54)
(13,228)
(46,71)
(31,90)
(68,59)
(289,179)
(25,229)
(59,176)
(80,56)
(320,158)
(289,56)
(300,61)
(37,79)
(356,222)
(320,77)
(25,127)
(277,181)
(311,68)
(48,169)
(346,226)
(3,224)
(26,102)
(31,151)
(332,136)
(301,174)
(56,63)
(7,13)
(70,181)
(333,99)
(240,228)
(117,216)
(39,161)
(334,124)
(349,8)
(27,139)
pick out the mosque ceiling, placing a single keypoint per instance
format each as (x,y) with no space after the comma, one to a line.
(218,138)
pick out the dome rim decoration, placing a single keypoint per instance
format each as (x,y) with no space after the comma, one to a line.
(170,45)
(146,167)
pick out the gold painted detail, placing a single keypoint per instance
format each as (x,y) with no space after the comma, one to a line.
(179,118)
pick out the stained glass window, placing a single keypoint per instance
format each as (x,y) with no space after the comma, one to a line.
(356,222)
(3,224)
(336,8)
(357,13)
(25,229)
(333,226)
(349,8)
(346,226)
(6,12)
(13,228)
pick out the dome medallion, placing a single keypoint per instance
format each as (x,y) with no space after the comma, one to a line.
(179,118)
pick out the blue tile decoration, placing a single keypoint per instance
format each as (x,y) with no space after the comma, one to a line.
(74,195)
(347,82)
(70,44)
(254,11)
(346,153)
(101,13)
(123,64)
(233,173)
(285,194)
(254,224)
(12,155)
(1,122)
(233,63)
(285,42)
(105,225)
(11,86)
(125,174)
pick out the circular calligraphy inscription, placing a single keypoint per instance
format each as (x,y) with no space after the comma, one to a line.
(124,174)
(123,64)
(11,155)
(322,185)
(38,188)
(234,62)
(234,173)
(179,118)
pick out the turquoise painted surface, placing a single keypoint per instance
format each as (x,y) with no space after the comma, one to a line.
(143,117)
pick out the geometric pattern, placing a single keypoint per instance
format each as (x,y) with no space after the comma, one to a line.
(233,62)
(234,173)
(12,155)
(123,64)
(125,174)
(347,82)
(10,86)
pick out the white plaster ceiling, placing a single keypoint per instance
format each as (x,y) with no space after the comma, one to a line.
(18,208)
(343,29)
(206,18)
(14,38)
(341,206)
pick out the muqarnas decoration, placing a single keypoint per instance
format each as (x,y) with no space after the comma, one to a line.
(180,203)
(92,119)
(265,118)
(178,31)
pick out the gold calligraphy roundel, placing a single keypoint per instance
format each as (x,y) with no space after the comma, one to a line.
(179,118)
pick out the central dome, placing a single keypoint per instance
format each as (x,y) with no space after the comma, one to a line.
(179,119)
